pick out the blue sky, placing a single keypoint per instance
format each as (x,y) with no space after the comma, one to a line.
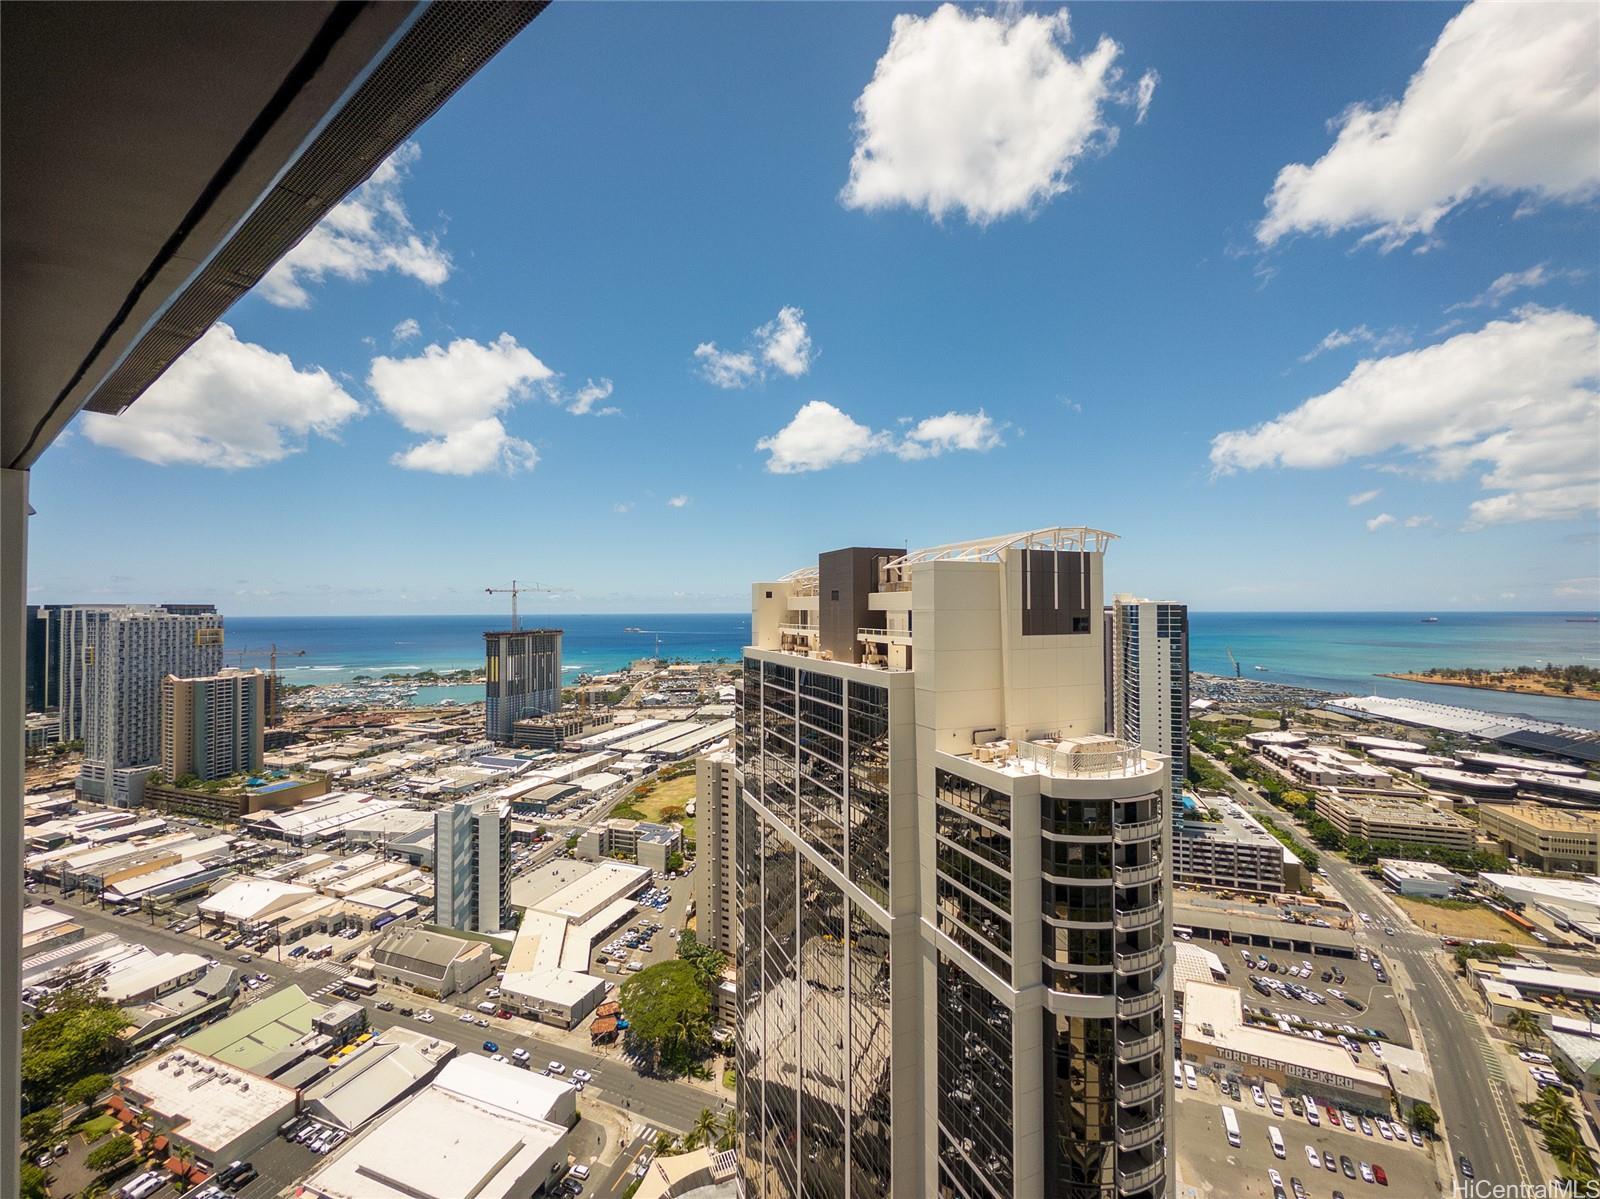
(1087,318)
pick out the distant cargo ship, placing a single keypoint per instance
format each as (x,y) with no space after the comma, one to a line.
(1583,620)
(1430,620)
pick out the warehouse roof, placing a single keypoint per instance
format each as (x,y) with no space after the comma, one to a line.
(253,1035)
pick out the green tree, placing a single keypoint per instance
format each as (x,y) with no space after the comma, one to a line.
(1424,1118)
(103,1157)
(669,1015)
(39,1127)
(702,1131)
(1548,1110)
(35,1183)
(728,1130)
(674,860)
(87,1089)
(76,1034)
(1524,1025)
(708,962)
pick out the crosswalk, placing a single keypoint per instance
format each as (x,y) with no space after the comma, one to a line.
(318,981)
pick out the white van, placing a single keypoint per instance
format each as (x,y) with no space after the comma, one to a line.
(486,1008)
(1276,1138)
(146,1184)
(1230,1125)
(579,1171)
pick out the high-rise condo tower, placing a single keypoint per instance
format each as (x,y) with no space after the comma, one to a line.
(955,916)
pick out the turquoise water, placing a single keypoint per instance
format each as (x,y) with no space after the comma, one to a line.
(1335,651)
(1345,651)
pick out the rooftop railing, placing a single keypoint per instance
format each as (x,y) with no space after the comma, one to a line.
(1117,759)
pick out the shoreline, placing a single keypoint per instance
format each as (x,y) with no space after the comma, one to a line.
(1505,688)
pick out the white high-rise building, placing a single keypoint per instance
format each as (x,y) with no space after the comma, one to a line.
(75,630)
(1150,682)
(471,865)
(121,656)
(716,800)
(955,916)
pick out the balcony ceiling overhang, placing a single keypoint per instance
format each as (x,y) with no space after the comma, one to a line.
(159,158)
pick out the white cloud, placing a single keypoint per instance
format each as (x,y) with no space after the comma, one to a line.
(678,501)
(1518,394)
(1379,521)
(590,394)
(1389,339)
(818,437)
(1418,522)
(953,431)
(726,368)
(821,436)
(1507,103)
(1145,93)
(1364,497)
(456,394)
(226,403)
(621,509)
(1585,585)
(367,234)
(783,343)
(1514,281)
(983,113)
(406,330)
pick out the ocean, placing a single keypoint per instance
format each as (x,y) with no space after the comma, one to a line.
(1333,651)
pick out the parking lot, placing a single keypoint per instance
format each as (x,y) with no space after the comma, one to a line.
(1209,1166)
(1379,1007)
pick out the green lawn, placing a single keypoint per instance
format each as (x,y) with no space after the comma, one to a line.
(95,1128)
(672,793)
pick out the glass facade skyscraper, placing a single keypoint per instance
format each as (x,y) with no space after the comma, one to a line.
(954,914)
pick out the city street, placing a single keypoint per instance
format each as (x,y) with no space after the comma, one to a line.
(671,1105)
(1480,1120)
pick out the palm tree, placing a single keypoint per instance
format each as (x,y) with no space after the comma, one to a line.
(1524,1025)
(1566,1146)
(1549,1110)
(728,1130)
(702,1131)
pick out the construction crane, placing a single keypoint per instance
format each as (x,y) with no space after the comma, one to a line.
(1235,661)
(515,590)
(272,652)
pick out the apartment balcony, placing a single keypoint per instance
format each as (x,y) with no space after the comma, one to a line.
(1143,830)
(1133,1090)
(1132,1182)
(1133,1049)
(1137,918)
(1135,876)
(884,636)
(1131,1007)
(1140,1135)
(1134,960)
(809,631)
